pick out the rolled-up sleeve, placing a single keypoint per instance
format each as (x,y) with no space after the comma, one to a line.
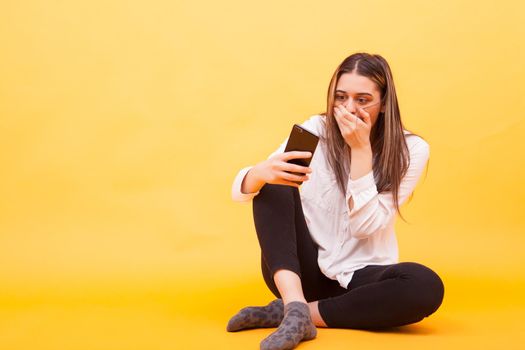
(372,211)
(237,194)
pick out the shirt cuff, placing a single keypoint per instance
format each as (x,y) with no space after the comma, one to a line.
(237,194)
(361,190)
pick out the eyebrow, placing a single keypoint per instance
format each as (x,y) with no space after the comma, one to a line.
(359,93)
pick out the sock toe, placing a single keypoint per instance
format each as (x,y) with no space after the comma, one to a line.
(295,327)
(257,317)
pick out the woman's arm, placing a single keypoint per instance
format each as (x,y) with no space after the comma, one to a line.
(361,165)
(252,182)
(247,182)
(371,211)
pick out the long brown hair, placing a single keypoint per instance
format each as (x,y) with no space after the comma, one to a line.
(391,156)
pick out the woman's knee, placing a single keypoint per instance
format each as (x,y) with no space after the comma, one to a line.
(274,193)
(428,287)
(276,187)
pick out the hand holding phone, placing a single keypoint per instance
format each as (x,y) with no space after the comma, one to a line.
(291,167)
(304,141)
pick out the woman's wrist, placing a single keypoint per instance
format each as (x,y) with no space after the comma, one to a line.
(252,181)
(361,148)
(361,163)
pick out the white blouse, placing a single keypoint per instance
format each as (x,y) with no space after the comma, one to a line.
(347,240)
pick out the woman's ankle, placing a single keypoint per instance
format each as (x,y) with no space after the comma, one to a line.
(289,285)
(287,300)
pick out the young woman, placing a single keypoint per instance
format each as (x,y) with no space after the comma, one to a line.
(329,251)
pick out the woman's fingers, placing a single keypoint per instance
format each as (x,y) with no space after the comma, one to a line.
(353,127)
(344,125)
(290,167)
(345,118)
(291,177)
(365,117)
(295,154)
(347,115)
(288,183)
(341,121)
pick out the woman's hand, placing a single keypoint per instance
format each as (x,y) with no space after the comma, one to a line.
(276,170)
(355,129)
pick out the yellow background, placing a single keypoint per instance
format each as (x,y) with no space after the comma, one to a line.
(123,124)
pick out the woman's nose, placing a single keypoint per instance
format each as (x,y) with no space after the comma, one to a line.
(350,106)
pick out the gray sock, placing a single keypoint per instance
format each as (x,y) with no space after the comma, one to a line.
(267,316)
(295,327)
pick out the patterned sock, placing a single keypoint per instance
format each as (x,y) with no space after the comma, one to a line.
(267,316)
(295,327)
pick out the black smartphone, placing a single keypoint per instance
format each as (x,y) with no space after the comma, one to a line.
(301,140)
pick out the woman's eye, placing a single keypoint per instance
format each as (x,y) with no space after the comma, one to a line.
(362,100)
(340,97)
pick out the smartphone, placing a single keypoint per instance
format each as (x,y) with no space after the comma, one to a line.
(301,140)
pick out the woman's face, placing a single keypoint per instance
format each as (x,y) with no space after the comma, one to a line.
(354,91)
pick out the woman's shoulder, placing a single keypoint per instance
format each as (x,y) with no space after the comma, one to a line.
(416,143)
(314,123)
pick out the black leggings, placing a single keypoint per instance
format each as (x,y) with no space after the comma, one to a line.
(378,296)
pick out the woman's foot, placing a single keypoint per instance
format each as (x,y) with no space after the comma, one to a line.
(267,316)
(295,327)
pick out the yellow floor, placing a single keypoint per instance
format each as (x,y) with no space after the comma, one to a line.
(170,317)
(150,304)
